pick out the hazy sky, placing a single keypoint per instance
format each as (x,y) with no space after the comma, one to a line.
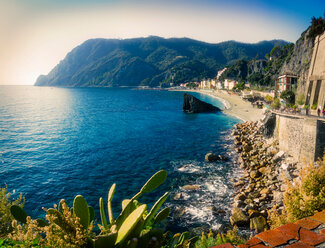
(37,34)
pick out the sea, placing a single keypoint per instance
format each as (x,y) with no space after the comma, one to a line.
(56,143)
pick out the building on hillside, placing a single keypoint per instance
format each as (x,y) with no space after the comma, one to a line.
(219,85)
(204,84)
(213,84)
(229,84)
(285,82)
(315,92)
(220,73)
(232,84)
(208,84)
(226,84)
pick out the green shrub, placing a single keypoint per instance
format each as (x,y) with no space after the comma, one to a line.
(314,106)
(288,96)
(178,240)
(62,230)
(317,27)
(268,98)
(239,87)
(230,237)
(276,103)
(304,199)
(8,243)
(5,216)
(301,99)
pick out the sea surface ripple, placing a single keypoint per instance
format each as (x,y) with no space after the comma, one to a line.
(59,142)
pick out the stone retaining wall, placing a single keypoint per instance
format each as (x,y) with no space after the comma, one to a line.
(301,137)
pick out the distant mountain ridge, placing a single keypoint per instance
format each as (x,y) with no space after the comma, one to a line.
(151,61)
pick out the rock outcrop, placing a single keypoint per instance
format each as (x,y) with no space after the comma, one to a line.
(211,157)
(299,61)
(191,187)
(194,105)
(238,217)
(268,124)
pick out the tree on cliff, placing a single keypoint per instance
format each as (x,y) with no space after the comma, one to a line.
(317,26)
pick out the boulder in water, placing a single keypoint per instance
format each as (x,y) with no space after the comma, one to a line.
(210,157)
(223,158)
(238,217)
(191,187)
(194,105)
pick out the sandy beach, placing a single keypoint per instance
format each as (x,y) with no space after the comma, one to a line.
(234,105)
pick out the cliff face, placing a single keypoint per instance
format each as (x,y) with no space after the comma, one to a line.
(260,71)
(243,69)
(256,66)
(300,60)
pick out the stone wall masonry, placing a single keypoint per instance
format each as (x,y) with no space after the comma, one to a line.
(301,137)
(308,142)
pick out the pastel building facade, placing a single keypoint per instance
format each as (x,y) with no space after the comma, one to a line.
(208,84)
(285,82)
(229,84)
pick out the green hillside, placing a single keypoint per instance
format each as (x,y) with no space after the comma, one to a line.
(151,61)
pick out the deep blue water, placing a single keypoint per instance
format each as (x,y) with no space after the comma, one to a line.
(59,142)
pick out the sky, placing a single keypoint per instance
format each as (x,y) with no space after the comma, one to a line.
(36,34)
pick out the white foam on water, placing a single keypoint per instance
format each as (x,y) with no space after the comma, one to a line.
(189,168)
(216,188)
(215,226)
(201,207)
(198,213)
(185,196)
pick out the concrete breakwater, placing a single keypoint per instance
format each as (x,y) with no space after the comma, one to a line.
(262,185)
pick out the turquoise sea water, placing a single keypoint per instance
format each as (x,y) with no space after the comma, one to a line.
(59,142)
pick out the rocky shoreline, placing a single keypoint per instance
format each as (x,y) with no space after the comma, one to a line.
(266,169)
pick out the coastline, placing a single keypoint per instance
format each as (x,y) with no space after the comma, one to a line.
(233,105)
